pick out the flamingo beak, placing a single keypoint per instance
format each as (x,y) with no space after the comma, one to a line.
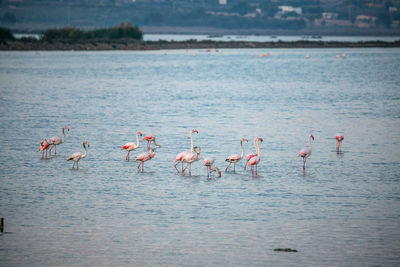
(312,136)
(260,139)
(219,173)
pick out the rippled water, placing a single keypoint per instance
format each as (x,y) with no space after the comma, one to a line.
(343,210)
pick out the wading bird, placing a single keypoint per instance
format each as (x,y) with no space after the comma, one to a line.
(339,138)
(235,157)
(191,157)
(142,158)
(179,158)
(150,138)
(56,140)
(208,162)
(256,159)
(305,153)
(131,145)
(77,156)
(44,145)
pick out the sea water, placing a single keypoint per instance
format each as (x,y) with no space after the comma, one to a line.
(343,209)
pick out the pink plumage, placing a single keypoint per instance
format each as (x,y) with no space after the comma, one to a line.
(142,158)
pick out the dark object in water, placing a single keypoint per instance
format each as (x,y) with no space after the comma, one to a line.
(285,250)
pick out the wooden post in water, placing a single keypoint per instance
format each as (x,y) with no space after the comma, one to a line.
(1,225)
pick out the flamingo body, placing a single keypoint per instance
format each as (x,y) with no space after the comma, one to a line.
(44,146)
(142,158)
(180,156)
(248,157)
(339,138)
(305,153)
(234,158)
(77,156)
(57,140)
(131,145)
(150,138)
(191,157)
(208,162)
(254,160)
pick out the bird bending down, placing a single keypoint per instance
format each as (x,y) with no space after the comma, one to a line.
(190,158)
(77,156)
(150,138)
(145,157)
(235,157)
(131,145)
(256,159)
(208,162)
(44,145)
(339,138)
(179,158)
(56,140)
(305,153)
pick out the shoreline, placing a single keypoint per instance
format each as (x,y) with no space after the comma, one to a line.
(37,45)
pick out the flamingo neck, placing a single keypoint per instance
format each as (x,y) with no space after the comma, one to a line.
(309,143)
(65,137)
(191,141)
(241,155)
(84,155)
(137,140)
(258,149)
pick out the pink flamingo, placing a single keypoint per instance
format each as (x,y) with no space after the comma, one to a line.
(145,157)
(77,156)
(248,157)
(44,145)
(256,159)
(150,138)
(131,145)
(305,153)
(56,140)
(208,162)
(235,157)
(339,137)
(191,157)
(179,158)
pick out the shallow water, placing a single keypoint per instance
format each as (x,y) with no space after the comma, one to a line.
(343,210)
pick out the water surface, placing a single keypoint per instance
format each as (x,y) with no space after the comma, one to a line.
(343,210)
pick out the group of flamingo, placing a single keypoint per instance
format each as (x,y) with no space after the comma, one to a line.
(53,142)
(186,157)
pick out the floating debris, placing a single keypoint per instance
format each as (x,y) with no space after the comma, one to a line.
(285,250)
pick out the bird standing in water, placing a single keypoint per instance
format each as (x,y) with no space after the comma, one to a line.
(305,153)
(77,156)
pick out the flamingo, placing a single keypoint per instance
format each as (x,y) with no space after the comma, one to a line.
(235,157)
(132,146)
(77,156)
(339,137)
(44,145)
(191,157)
(56,140)
(208,162)
(248,157)
(150,138)
(305,153)
(145,157)
(179,158)
(256,159)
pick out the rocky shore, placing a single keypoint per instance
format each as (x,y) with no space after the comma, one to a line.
(39,45)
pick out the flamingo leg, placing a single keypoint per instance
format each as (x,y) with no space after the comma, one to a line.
(46,153)
(176,167)
(143,166)
(252,171)
(127,156)
(228,166)
(256,169)
(55,150)
(208,172)
(138,166)
(77,165)
(304,163)
(234,166)
(245,165)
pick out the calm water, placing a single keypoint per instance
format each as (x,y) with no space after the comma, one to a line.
(343,210)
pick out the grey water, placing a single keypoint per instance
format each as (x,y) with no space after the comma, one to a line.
(343,210)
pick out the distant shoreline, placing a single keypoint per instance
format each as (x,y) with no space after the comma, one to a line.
(39,45)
